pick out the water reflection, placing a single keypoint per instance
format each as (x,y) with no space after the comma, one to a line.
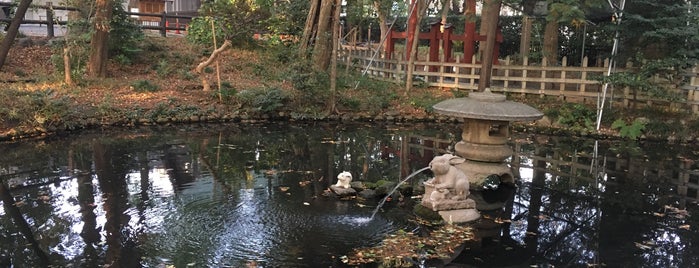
(237,195)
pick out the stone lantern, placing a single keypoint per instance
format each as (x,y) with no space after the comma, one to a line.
(486,131)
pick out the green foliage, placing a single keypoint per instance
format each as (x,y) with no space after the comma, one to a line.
(234,20)
(632,131)
(574,116)
(227,92)
(125,36)
(38,108)
(287,17)
(654,78)
(144,86)
(312,84)
(265,100)
(163,68)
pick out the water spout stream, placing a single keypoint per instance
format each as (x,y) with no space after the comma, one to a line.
(376,210)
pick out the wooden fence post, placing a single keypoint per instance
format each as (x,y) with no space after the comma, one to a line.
(163,24)
(583,76)
(542,84)
(693,92)
(525,64)
(457,71)
(506,81)
(562,85)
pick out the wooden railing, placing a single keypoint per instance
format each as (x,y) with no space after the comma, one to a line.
(565,82)
(163,22)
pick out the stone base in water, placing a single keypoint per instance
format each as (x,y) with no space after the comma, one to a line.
(342,192)
(460,215)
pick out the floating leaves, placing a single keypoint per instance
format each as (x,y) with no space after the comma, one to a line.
(396,248)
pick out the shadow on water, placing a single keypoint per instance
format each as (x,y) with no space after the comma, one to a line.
(236,196)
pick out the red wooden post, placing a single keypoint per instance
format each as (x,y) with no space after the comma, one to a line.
(412,27)
(470,31)
(447,43)
(390,44)
(434,45)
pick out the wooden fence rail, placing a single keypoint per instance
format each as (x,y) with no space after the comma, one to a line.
(163,22)
(565,82)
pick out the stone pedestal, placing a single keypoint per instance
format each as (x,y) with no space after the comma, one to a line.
(460,215)
(342,191)
(450,208)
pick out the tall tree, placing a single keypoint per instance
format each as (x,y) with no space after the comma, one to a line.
(383,10)
(13,30)
(97,63)
(487,63)
(318,31)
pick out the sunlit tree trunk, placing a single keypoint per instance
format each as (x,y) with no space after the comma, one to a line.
(13,30)
(484,26)
(551,42)
(381,16)
(97,63)
(526,38)
(487,55)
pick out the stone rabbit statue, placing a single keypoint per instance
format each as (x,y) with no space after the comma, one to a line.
(449,183)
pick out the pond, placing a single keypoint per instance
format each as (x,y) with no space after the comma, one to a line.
(255,195)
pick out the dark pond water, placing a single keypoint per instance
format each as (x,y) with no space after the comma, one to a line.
(233,196)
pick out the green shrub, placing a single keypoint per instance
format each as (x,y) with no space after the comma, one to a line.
(576,116)
(631,131)
(265,100)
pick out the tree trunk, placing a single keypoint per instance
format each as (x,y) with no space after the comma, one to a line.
(13,30)
(525,39)
(214,55)
(487,63)
(484,27)
(333,65)
(421,8)
(445,13)
(97,63)
(551,42)
(66,65)
(382,14)
(309,27)
(322,49)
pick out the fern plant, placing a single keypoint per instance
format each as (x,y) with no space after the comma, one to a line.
(630,131)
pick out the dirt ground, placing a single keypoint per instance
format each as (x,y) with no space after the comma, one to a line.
(32,65)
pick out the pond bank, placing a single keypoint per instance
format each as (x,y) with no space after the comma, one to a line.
(543,126)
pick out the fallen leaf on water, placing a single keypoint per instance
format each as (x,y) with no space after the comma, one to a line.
(685,227)
(642,246)
(284,188)
(304,183)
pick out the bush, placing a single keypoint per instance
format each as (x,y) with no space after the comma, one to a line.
(265,100)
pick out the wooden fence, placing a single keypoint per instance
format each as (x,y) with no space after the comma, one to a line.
(566,82)
(165,22)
